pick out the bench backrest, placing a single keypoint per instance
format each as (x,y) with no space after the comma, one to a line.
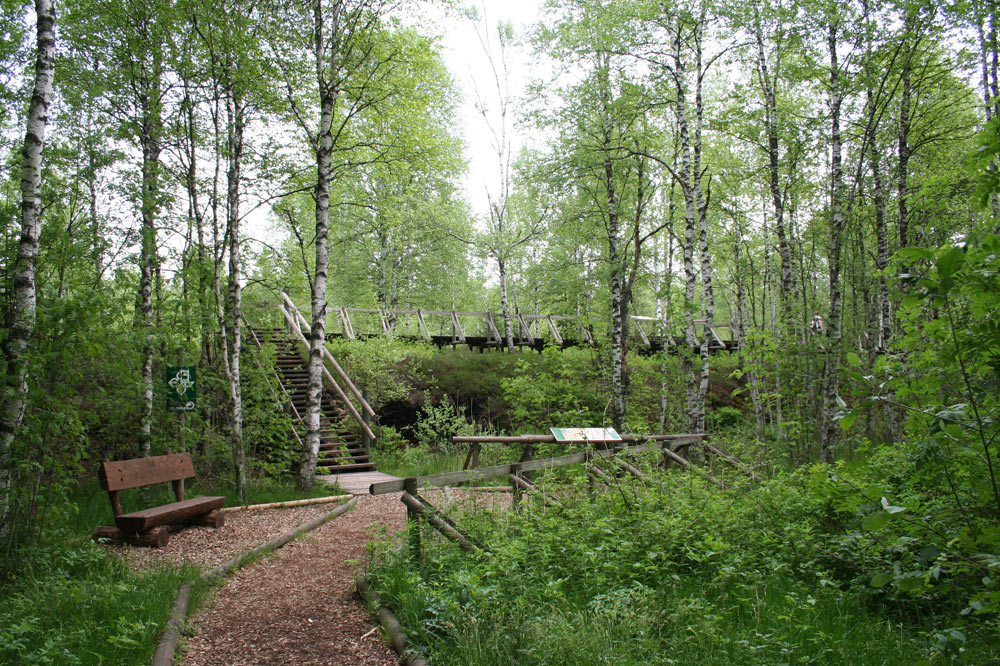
(124,474)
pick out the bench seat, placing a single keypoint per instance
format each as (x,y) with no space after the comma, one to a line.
(176,512)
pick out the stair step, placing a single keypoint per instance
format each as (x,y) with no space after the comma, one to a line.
(340,445)
(356,467)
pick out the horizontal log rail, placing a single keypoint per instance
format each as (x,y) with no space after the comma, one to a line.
(300,322)
(732,461)
(539,439)
(519,481)
(657,442)
(684,462)
(281,385)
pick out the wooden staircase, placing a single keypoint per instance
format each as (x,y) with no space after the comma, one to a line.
(341,450)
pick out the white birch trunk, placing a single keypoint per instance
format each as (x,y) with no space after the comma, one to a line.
(149,100)
(21,317)
(236,122)
(328,93)
(831,369)
(508,334)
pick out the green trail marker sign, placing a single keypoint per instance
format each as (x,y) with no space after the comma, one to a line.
(182,388)
(578,435)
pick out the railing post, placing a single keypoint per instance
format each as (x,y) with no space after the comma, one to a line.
(412,519)
(366,419)
(526,454)
(472,457)
(515,470)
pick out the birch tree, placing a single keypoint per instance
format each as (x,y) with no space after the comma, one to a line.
(129,67)
(351,58)
(20,317)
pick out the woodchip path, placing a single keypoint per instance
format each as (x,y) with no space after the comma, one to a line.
(300,606)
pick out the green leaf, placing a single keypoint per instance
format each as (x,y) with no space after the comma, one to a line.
(881,579)
(909,584)
(853,359)
(914,253)
(846,421)
(949,261)
(875,521)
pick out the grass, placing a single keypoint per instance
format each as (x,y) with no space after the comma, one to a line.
(669,573)
(419,462)
(78,606)
(70,602)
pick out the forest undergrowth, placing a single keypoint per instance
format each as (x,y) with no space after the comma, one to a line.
(670,570)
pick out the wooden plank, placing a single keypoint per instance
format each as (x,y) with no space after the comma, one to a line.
(642,333)
(494,334)
(716,336)
(457,333)
(137,472)
(525,331)
(345,319)
(423,326)
(178,512)
(330,380)
(555,330)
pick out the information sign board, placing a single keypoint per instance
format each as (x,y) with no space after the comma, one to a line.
(576,435)
(182,388)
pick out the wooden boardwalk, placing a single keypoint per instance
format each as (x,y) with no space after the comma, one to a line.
(356,483)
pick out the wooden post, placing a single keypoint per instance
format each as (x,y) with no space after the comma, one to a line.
(526,454)
(366,440)
(412,519)
(472,457)
(515,470)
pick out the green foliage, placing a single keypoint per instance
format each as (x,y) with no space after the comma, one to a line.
(388,368)
(750,576)
(558,390)
(437,424)
(80,606)
(944,548)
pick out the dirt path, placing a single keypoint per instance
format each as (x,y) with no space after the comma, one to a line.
(299,606)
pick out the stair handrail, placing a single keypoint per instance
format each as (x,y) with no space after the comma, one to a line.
(343,396)
(281,385)
(329,357)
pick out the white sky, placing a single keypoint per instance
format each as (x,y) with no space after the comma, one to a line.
(464,55)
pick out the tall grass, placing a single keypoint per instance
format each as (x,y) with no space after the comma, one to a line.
(670,572)
(79,606)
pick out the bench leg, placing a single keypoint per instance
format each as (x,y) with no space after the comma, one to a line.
(211,519)
(156,537)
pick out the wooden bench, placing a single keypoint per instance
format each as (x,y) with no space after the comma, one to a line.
(149,526)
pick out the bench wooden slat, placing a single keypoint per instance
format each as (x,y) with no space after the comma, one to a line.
(124,474)
(176,512)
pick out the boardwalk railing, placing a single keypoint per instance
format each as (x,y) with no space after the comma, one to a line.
(486,330)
